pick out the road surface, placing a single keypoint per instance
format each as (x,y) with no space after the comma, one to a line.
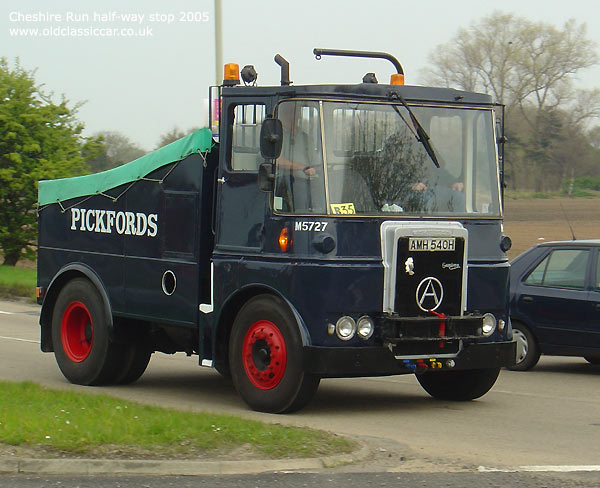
(547,417)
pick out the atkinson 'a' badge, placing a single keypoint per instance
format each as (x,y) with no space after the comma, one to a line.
(430,294)
(409,266)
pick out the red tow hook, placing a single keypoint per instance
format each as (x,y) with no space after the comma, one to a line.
(442,325)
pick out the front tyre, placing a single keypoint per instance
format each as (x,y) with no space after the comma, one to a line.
(266,358)
(460,385)
(82,347)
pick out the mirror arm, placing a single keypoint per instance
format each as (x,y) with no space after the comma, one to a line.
(266,177)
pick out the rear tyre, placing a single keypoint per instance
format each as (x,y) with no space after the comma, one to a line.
(592,360)
(528,351)
(82,347)
(134,363)
(461,385)
(266,360)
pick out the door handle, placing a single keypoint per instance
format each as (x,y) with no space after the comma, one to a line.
(597,306)
(222,180)
(527,299)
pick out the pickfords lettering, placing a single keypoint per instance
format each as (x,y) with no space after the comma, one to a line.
(109,221)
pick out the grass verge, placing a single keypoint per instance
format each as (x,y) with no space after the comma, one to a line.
(67,423)
(19,282)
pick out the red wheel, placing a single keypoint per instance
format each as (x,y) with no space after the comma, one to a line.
(77,332)
(264,354)
(266,357)
(83,349)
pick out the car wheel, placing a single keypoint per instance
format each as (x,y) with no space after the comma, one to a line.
(528,351)
(82,347)
(592,360)
(266,357)
(461,385)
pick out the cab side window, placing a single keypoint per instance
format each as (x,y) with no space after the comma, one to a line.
(563,268)
(299,182)
(245,140)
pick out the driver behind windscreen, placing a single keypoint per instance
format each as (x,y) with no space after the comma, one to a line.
(296,153)
(446,191)
(297,186)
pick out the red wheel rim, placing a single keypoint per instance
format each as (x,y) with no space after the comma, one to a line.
(264,355)
(77,332)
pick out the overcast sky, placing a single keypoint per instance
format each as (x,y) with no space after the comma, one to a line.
(157,76)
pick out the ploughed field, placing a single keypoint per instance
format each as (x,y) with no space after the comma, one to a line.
(529,222)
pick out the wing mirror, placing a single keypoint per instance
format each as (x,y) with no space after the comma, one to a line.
(271,138)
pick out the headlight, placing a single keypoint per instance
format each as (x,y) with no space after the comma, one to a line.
(489,324)
(345,328)
(365,327)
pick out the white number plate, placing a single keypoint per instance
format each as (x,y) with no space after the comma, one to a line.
(431,244)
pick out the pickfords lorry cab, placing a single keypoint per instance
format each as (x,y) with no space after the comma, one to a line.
(321,231)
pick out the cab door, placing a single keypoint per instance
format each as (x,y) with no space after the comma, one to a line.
(241,204)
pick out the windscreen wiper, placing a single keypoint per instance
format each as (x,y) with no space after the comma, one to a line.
(420,134)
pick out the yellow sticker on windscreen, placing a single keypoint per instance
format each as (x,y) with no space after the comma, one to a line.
(343,208)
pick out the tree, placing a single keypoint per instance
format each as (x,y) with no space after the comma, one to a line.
(594,136)
(174,134)
(480,58)
(38,140)
(513,59)
(529,67)
(117,149)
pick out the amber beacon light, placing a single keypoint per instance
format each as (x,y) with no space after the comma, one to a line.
(231,75)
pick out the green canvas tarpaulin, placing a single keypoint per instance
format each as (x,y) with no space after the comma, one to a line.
(54,191)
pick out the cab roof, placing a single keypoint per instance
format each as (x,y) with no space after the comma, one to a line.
(368,91)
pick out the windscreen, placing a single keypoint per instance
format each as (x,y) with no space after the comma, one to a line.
(367,158)
(376,164)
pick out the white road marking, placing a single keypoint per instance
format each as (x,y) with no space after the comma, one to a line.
(5,313)
(541,469)
(19,339)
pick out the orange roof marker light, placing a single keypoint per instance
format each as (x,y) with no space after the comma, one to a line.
(231,76)
(397,79)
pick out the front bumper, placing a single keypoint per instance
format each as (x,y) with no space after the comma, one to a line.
(339,362)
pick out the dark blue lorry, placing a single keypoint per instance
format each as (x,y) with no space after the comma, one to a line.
(317,231)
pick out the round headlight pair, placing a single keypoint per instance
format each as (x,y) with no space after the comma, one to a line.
(488,325)
(346,327)
(365,327)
